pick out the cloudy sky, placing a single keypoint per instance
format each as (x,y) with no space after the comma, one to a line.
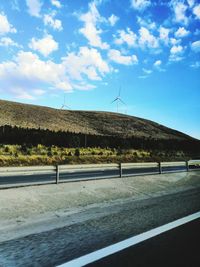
(86,50)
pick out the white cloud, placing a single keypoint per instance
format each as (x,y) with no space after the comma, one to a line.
(147,23)
(116,56)
(181,32)
(143,76)
(49,20)
(45,46)
(26,73)
(147,71)
(146,39)
(191,3)
(15,5)
(196,11)
(83,86)
(195,46)
(56,3)
(164,35)
(176,53)
(180,12)
(90,30)
(22,94)
(176,49)
(34,7)
(140,4)
(32,67)
(5,26)
(87,62)
(28,77)
(174,41)
(175,58)
(157,63)
(7,41)
(128,37)
(113,19)
(195,65)
(38,92)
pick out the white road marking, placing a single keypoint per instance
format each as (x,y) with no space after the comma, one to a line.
(104,252)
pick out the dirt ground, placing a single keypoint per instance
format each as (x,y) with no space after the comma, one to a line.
(35,208)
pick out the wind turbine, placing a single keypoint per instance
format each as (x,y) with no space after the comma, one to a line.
(64,104)
(118,100)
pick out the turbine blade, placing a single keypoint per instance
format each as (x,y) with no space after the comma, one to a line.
(122,101)
(114,100)
(67,107)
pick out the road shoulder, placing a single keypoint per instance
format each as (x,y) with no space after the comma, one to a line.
(35,209)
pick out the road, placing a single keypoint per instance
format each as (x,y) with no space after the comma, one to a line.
(178,247)
(80,175)
(118,222)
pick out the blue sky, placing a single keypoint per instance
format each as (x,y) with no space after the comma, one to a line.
(86,50)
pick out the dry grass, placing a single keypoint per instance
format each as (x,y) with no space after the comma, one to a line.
(93,122)
(14,155)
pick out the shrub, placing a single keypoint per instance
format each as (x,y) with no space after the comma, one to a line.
(49,154)
(77,152)
(7,150)
(135,154)
(119,151)
(24,149)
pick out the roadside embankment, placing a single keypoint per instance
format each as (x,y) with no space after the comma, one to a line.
(38,208)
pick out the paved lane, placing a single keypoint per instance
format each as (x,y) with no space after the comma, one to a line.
(177,247)
(120,221)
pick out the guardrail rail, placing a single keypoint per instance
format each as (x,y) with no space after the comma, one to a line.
(21,176)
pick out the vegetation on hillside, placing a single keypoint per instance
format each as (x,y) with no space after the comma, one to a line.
(35,135)
(32,137)
(25,147)
(20,155)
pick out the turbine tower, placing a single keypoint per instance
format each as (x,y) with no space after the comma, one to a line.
(118,100)
(64,106)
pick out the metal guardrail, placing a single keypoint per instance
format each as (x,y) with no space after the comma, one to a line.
(89,166)
(139,165)
(178,163)
(26,170)
(113,170)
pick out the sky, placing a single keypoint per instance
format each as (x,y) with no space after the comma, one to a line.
(85,51)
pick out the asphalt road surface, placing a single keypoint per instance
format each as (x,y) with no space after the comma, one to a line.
(121,221)
(177,247)
(80,175)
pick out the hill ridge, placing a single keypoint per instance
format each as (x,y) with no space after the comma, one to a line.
(86,122)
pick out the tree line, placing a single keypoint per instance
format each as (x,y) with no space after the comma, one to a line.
(32,137)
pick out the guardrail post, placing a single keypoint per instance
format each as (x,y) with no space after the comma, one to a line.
(120,170)
(187,165)
(57,174)
(159,167)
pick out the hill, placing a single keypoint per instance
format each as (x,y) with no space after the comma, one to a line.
(84,122)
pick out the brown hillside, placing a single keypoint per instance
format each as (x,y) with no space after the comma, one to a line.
(93,122)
